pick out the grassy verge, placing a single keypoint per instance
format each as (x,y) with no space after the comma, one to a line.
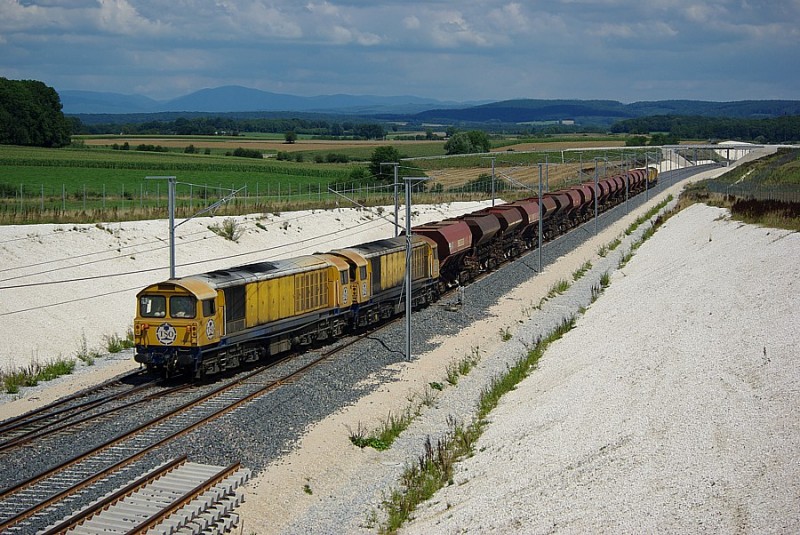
(31,375)
(390,428)
(435,466)
(34,373)
(767,213)
(778,174)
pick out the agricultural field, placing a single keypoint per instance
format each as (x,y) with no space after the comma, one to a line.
(93,180)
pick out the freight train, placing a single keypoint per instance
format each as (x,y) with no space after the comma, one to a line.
(206,323)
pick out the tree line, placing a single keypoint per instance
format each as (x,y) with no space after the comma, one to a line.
(773,130)
(230,126)
(30,114)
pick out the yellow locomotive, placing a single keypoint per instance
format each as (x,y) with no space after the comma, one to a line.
(203,324)
(206,323)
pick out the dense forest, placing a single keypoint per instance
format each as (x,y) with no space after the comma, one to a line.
(784,129)
(30,114)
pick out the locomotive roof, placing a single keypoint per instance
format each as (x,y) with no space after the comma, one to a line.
(256,271)
(378,247)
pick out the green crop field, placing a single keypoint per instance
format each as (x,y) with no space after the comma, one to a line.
(93,180)
(55,181)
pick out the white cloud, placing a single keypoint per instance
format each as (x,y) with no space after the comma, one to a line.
(325,9)
(450,29)
(704,12)
(635,31)
(412,23)
(510,17)
(120,17)
(269,21)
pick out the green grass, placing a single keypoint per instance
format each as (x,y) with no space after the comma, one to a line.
(393,425)
(780,168)
(407,150)
(114,343)
(228,229)
(94,178)
(383,437)
(778,173)
(581,271)
(80,185)
(458,368)
(558,288)
(34,373)
(623,261)
(434,468)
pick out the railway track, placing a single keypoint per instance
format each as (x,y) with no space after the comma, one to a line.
(186,497)
(76,403)
(72,420)
(28,502)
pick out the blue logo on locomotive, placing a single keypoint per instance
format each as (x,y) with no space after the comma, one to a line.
(166,334)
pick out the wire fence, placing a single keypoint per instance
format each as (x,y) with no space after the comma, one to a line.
(31,201)
(752,190)
(59,203)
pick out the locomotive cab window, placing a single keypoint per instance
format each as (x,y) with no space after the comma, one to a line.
(363,272)
(343,277)
(182,306)
(153,306)
(209,307)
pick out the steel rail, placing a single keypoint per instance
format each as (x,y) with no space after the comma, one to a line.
(89,512)
(186,429)
(185,499)
(43,432)
(38,414)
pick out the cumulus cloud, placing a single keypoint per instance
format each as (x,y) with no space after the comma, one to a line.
(412,23)
(510,17)
(120,17)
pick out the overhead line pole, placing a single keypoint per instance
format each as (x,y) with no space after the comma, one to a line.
(409,291)
(540,217)
(396,165)
(172,181)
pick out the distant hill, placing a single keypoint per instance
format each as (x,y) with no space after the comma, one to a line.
(605,112)
(93,107)
(243,99)
(74,102)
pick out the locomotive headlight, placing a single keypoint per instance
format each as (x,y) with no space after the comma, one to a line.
(140,328)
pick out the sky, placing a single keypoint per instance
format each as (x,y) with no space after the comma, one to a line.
(465,50)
